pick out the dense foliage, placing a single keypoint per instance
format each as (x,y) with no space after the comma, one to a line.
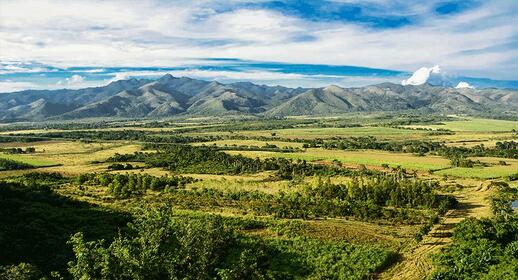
(484,248)
(9,164)
(382,197)
(506,149)
(127,134)
(35,224)
(28,150)
(203,159)
(128,185)
(160,246)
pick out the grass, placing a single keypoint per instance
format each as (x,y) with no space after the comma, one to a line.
(366,157)
(279,144)
(493,171)
(475,124)
(328,132)
(73,157)
(29,159)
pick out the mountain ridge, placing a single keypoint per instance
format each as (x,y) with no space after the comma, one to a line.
(170,96)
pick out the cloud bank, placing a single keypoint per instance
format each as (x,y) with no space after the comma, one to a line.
(309,41)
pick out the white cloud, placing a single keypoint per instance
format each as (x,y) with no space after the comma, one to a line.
(464,85)
(74,80)
(421,76)
(159,33)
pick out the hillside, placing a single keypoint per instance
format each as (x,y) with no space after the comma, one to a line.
(169,96)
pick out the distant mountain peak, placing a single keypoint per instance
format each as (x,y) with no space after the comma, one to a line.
(166,78)
(168,96)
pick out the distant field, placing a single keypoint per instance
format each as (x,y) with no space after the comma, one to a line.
(30,159)
(328,132)
(367,157)
(279,144)
(489,172)
(474,124)
(72,157)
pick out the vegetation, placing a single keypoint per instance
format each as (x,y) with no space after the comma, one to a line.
(8,164)
(203,159)
(359,196)
(382,197)
(128,185)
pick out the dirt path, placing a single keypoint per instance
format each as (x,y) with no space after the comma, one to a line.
(416,262)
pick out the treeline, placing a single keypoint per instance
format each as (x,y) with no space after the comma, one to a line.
(506,149)
(130,185)
(130,135)
(118,166)
(267,148)
(9,164)
(370,142)
(386,197)
(209,160)
(22,138)
(28,150)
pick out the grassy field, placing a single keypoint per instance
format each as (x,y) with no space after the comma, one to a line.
(489,172)
(474,124)
(366,157)
(329,132)
(30,159)
(72,157)
(257,143)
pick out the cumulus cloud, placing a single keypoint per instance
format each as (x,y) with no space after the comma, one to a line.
(464,85)
(421,76)
(74,80)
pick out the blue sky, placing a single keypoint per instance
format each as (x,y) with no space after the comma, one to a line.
(57,43)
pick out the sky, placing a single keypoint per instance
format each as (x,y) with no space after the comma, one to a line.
(72,44)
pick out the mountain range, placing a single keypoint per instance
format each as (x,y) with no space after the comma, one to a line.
(170,96)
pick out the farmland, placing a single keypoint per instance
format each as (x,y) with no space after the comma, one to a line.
(381,199)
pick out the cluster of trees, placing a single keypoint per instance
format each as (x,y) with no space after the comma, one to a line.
(506,149)
(207,159)
(133,135)
(119,166)
(28,150)
(21,138)
(482,249)
(267,147)
(9,164)
(370,142)
(380,197)
(460,161)
(129,185)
